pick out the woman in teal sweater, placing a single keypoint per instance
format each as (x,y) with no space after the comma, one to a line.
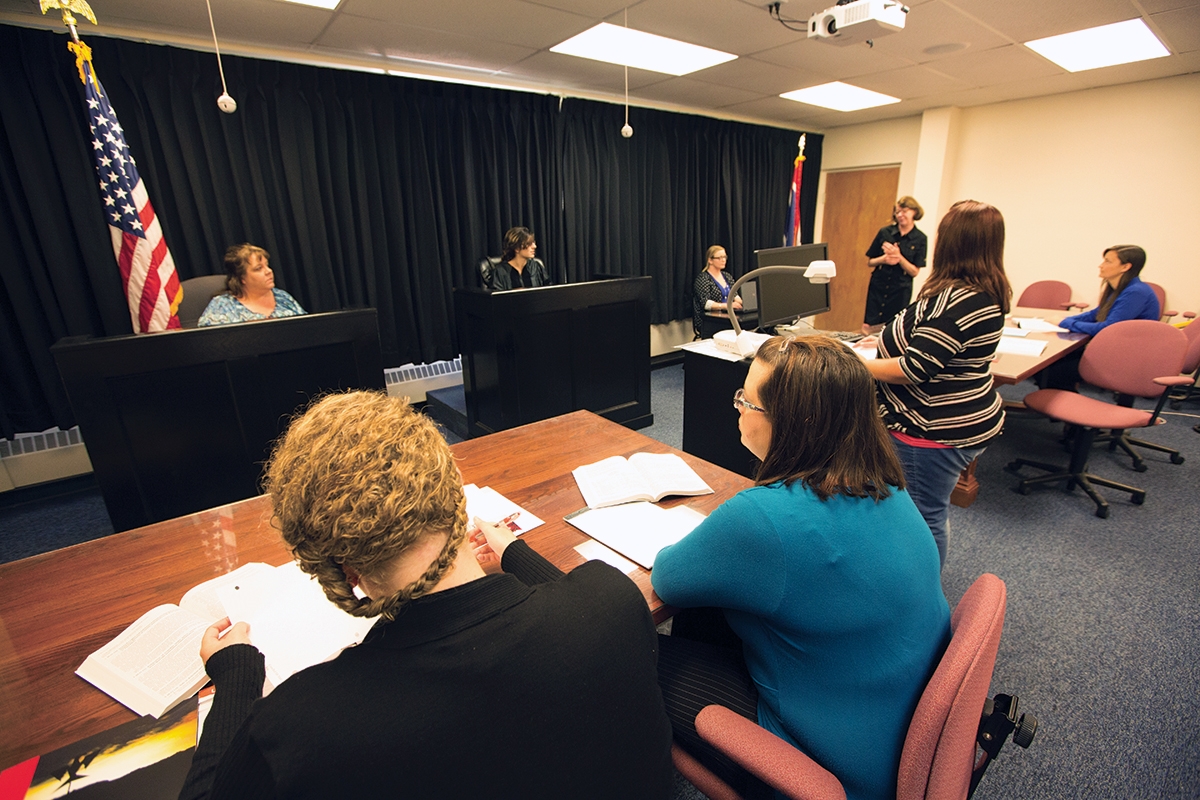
(825,570)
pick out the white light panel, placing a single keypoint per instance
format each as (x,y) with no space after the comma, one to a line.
(840,97)
(1105,46)
(617,45)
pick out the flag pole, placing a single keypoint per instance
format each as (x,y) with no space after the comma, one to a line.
(78,6)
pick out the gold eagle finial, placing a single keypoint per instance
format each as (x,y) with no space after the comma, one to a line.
(67,6)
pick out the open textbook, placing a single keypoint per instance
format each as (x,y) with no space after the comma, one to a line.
(642,476)
(155,662)
(637,530)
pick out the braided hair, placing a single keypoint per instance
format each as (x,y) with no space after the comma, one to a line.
(358,479)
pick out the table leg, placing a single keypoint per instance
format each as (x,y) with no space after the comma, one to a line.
(967,487)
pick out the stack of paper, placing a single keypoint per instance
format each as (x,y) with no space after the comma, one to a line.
(637,530)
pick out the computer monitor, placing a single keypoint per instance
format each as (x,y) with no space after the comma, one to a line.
(785,296)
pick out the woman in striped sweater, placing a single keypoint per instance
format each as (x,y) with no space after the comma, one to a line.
(935,391)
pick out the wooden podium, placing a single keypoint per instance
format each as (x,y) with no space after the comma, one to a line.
(181,421)
(533,354)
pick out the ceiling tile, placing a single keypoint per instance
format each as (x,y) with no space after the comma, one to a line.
(1180,28)
(688,92)
(398,41)
(830,61)
(938,25)
(562,71)
(1024,20)
(512,21)
(1006,64)
(910,82)
(754,75)
(735,28)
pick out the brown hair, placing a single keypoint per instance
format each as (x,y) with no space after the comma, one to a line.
(825,425)
(358,479)
(515,239)
(969,253)
(237,261)
(1127,254)
(908,201)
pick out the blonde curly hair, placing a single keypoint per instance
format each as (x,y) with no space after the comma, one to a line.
(356,480)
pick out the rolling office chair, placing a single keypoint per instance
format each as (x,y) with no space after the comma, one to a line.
(1167,314)
(939,760)
(196,294)
(1191,366)
(1135,358)
(1048,294)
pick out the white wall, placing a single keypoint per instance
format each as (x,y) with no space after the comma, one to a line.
(1073,174)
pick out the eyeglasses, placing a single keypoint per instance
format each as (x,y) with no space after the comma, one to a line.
(740,401)
(719,258)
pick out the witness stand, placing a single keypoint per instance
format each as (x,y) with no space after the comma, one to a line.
(180,421)
(533,354)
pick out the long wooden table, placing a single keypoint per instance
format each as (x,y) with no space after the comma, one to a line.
(1010,369)
(57,608)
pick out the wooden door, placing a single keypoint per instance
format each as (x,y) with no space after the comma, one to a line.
(857,204)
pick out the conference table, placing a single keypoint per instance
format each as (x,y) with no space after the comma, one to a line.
(1010,368)
(59,607)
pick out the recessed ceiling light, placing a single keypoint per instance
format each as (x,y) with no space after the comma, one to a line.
(1105,46)
(840,97)
(617,45)
(329,4)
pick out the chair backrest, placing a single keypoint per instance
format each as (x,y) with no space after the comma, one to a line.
(1161,294)
(196,294)
(939,749)
(1127,356)
(1191,361)
(487,267)
(1045,294)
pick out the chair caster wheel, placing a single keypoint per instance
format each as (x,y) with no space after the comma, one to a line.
(1021,489)
(1102,512)
(1140,466)
(1012,467)
(1138,498)
(1176,458)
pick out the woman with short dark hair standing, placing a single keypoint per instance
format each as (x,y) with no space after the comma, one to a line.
(895,256)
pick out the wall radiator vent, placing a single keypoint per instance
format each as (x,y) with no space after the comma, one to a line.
(24,443)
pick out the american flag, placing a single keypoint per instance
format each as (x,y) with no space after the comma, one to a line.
(793,224)
(147,269)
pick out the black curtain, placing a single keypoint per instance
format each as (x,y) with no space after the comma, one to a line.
(367,190)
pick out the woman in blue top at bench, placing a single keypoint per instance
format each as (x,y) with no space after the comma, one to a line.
(825,571)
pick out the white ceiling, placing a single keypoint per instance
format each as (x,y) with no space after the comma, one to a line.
(951,52)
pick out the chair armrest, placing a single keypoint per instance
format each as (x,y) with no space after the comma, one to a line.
(766,756)
(1189,315)
(1169,314)
(1181,380)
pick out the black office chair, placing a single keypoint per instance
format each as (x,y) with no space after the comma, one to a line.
(196,294)
(487,269)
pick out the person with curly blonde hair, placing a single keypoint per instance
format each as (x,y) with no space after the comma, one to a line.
(473,683)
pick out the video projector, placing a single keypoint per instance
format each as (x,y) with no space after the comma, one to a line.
(859,21)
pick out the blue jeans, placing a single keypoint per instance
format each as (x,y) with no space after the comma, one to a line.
(931,473)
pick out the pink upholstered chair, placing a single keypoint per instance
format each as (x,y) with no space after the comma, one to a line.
(939,760)
(1167,314)
(1048,294)
(1191,367)
(1135,358)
